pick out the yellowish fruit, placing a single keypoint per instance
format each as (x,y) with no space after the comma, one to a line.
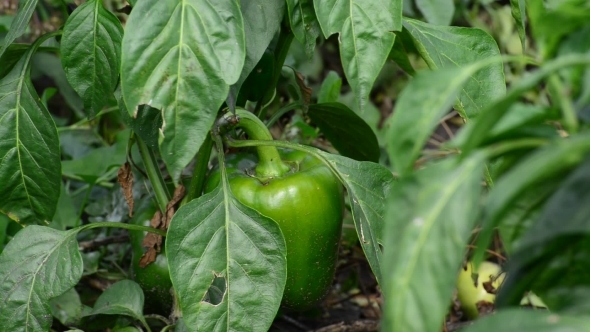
(470,291)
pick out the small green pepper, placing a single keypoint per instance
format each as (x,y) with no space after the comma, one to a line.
(154,279)
(306,200)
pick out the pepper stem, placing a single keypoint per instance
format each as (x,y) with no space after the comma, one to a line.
(270,163)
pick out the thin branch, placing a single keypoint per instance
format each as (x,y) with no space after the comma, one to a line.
(87,246)
(364,325)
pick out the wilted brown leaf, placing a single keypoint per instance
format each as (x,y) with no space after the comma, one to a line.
(125,176)
(305,90)
(161,221)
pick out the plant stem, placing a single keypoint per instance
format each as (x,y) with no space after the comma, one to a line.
(270,163)
(154,174)
(132,227)
(90,186)
(277,115)
(499,149)
(281,50)
(198,180)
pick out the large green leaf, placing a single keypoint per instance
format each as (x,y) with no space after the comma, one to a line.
(347,132)
(19,23)
(366,37)
(519,320)
(368,185)
(215,243)
(430,219)
(552,258)
(262,20)
(304,23)
(444,47)
(38,264)
(29,149)
(439,12)
(91,51)
(180,57)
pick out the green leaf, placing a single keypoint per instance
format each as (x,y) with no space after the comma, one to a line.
(439,12)
(91,52)
(67,307)
(419,108)
(552,256)
(521,115)
(368,185)
(518,320)
(50,65)
(259,80)
(304,23)
(519,15)
(4,222)
(445,47)
(29,149)
(66,215)
(347,132)
(330,88)
(365,38)
(13,53)
(546,163)
(262,20)
(146,124)
(523,214)
(216,237)
(475,132)
(426,240)
(576,79)
(122,298)
(46,95)
(180,57)
(97,164)
(399,53)
(127,329)
(297,87)
(19,23)
(552,22)
(39,263)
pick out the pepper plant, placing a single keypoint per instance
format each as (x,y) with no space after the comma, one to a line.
(191,80)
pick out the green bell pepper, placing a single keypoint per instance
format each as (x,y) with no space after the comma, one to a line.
(306,200)
(154,279)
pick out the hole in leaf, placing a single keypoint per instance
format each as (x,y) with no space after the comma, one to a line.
(216,290)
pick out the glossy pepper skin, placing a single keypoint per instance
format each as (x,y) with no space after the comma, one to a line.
(307,203)
(154,279)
